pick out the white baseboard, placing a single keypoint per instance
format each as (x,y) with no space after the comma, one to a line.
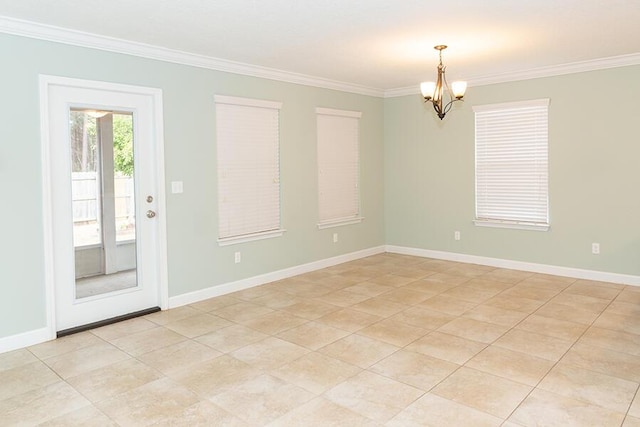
(226,288)
(601,276)
(26,339)
(44,334)
(38,336)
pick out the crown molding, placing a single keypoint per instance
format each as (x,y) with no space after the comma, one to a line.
(559,70)
(79,38)
(404,91)
(554,70)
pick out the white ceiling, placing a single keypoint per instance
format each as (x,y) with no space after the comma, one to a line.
(380,44)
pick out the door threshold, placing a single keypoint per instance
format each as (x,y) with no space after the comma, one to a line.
(94,325)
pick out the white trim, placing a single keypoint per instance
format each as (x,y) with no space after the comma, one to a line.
(87,247)
(495,223)
(340,113)
(161,198)
(556,270)
(249,203)
(247,102)
(338,164)
(227,241)
(406,91)
(559,70)
(100,85)
(79,38)
(37,336)
(45,81)
(47,211)
(535,73)
(339,222)
(51,33)
(25,339)
(511,164)
(542,102)
(250,282)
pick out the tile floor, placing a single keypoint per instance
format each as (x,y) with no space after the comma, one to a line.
(388,340)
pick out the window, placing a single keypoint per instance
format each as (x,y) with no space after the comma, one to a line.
(247,133)
(338,167)
(512,165)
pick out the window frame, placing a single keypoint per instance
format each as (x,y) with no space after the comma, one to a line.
(256,234)
(535,130)
(356,217)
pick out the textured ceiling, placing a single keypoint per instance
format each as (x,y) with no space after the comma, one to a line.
(381,44)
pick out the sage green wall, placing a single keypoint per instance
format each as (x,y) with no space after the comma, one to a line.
(195,259)
(594,173)
(425,193)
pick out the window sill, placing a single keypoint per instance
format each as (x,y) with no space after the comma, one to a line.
(339,222)
(227,241)
(87,247)
(511,224)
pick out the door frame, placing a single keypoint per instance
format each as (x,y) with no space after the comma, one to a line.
(155,95)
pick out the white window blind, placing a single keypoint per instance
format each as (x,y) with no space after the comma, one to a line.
(247,134)
(512,164)
(338,166)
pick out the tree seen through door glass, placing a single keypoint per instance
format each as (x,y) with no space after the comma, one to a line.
(85,183)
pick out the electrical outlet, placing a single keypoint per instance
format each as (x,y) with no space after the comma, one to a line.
(456,235)
(335,237)
(595,248)
(238,257)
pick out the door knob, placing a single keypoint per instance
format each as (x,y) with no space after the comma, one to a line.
(151,214)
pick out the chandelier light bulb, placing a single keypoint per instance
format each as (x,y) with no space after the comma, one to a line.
(458,89)
(427,89)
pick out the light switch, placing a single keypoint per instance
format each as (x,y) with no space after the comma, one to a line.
(176,187)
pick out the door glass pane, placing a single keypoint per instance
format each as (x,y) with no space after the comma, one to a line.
(103,200)
(85,182)
(123,177)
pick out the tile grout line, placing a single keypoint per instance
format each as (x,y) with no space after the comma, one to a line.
(563,355)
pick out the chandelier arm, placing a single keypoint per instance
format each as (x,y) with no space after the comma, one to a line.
(445,85)
(438,110)
(439,92)
(449,105)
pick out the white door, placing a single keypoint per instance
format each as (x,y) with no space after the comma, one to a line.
(103,149)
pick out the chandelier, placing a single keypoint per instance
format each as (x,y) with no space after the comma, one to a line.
(435,92)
